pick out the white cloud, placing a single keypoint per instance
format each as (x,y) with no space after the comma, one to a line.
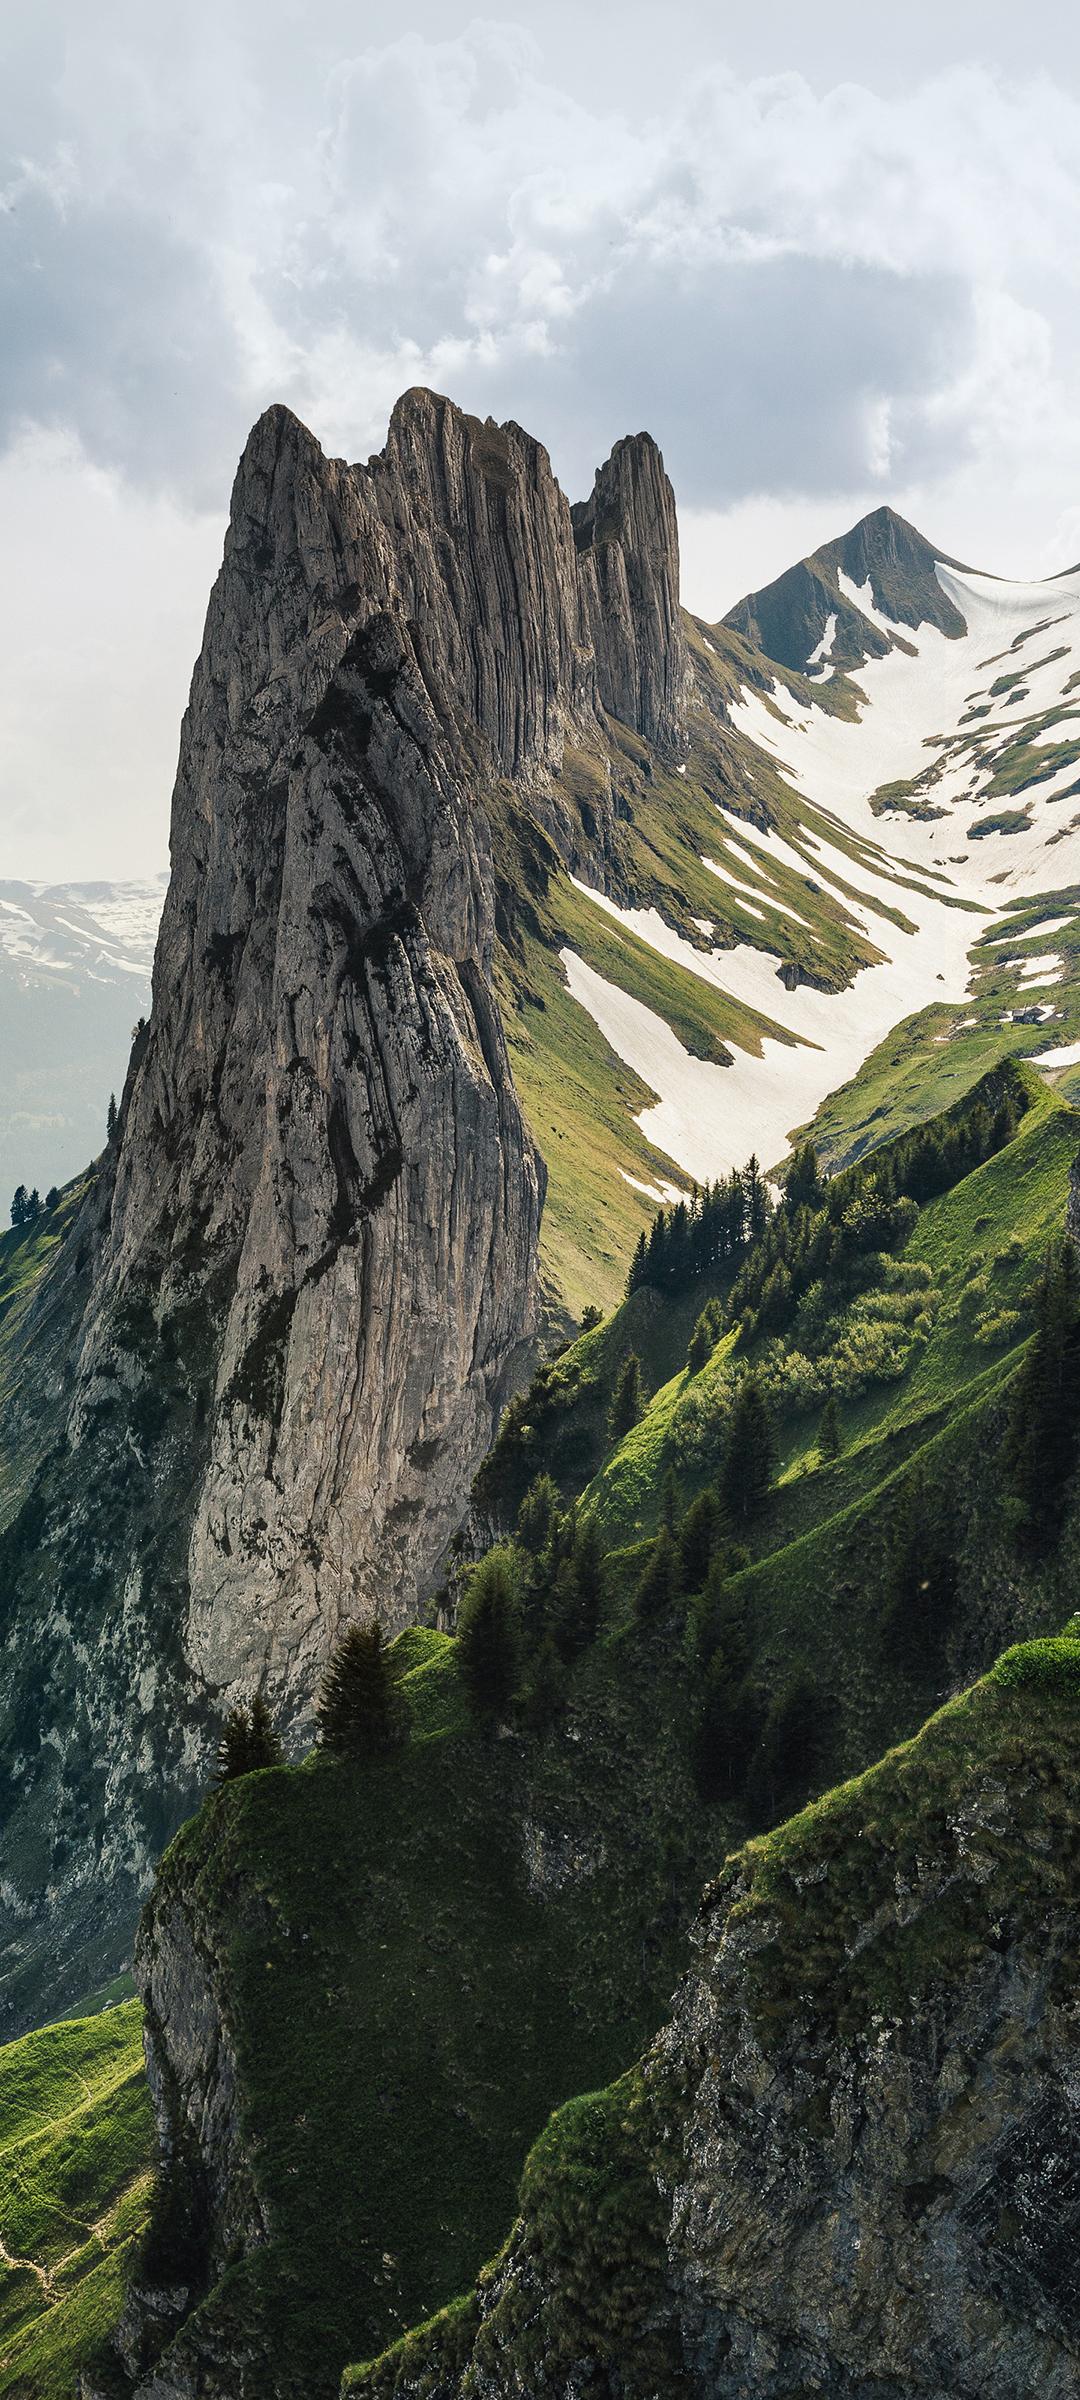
(101,607)
(815,298)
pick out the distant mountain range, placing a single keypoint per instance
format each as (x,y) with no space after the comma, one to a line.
(75,961)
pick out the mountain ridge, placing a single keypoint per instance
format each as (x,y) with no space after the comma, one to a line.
(305,1277)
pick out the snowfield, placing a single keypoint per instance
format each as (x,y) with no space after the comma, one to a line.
(943,715)
(67,932)
(916,703)
(709,1118)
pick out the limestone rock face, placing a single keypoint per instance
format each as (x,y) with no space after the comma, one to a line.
(628,543)
(324,1115)
(306,1280)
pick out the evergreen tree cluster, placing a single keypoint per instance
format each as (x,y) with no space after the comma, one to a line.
(704,1235)
(693,1544)
(628,1398)
(27,1207)
(531,1608)
(249,1741)
(734,1222)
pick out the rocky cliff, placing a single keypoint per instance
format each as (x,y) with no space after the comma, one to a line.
(306,1277)
(850,2164)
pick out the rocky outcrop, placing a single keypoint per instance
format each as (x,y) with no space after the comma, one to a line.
(306,1278)
(628,545)
(851,2164)
(813,610)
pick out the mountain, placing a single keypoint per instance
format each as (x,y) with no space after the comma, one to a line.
(75,962)
(508,901)
(368,1980)
(848,2162)
(851,599)
(283,1324)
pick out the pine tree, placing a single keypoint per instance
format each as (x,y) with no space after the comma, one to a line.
(248,1742)
(705,1336)
(802,1183)
(579,1594)
(110,1118)
(233,1754)
(265,1741)
(656,1590)
(830,1440)
(19,1204)
(33,1206)
(748,1460)
(591,1317)
(638,1266)
(698,1538)
(358,1706)
(52,1198)
(489,1635)
(775,1309)
(670,1500)
(628,1402)
(538,1515)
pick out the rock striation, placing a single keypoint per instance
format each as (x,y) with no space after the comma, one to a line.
(305,1280)
(628,546)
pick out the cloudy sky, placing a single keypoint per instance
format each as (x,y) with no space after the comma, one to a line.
(827,254)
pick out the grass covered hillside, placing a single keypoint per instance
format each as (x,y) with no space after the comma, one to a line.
(76,2144)
(419,1951)
(875,2031)
(667,836)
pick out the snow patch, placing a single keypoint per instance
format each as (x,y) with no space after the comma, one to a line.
(1068,1055)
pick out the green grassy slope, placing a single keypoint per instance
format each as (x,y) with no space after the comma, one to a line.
(419,1957)
(978,1247)
(926,1063)
(76,2142)
(823,1942)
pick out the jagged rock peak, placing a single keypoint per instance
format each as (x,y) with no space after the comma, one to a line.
(525,615)
(485,568)
(628,543)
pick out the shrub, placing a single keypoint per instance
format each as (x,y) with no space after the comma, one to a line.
(1047,1666)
